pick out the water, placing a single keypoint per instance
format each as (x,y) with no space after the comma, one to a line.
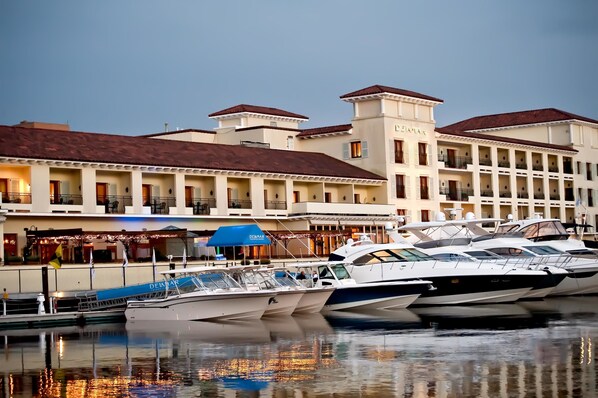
(531,349)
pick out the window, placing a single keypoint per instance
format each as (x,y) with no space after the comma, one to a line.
(424,190)
(356,149)
(425,215)
(422,150)
(590,197)
(589,171)
(578,167)
(399,157)
(400,189)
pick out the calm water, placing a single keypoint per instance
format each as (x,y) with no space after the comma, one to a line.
(534,349)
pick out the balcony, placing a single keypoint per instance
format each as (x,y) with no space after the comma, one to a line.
(537,167)
(487,193)
(239,204)
(66,199)
(523,195)
(504,194)
(275,205)
(504,163)
(539,195)
(16,197)
(553,169)
(202,205)
(456,194)
(455,162)
(555,196)
(342,209)
(161,205)
(115,203)
(520,166)
(485,162)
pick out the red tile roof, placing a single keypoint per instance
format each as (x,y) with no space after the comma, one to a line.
(507,139)
(243,108)
(325,130)
(378,89)
(514,119)
(29,143)
(178,131)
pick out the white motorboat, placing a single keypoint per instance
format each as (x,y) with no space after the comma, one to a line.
(200,293)
(257,278)
(455,282)
(314,297)
(350,295)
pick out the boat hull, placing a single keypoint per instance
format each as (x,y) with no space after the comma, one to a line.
(375,296)
(284,303)
(313,300)
(193,307)
(577,283)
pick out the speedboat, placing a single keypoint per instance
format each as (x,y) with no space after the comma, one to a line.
(199,294)
(350,295)
(314,297)
(455,282)
(258,278)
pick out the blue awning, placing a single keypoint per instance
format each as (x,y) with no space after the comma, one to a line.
(239,235)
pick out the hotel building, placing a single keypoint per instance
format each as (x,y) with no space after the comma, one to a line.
(307,187)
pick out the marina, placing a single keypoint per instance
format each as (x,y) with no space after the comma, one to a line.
(537,348)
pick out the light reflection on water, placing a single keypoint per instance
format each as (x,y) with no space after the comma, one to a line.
(536,348)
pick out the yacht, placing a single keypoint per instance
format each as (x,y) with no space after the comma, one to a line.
(455,282)
(349,295)
(199,294)
(314,297)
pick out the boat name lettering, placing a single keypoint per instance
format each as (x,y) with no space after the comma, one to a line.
(401,128)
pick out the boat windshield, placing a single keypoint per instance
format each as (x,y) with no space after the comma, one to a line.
(511,252)
(340,271)
(392,255)
(543,250)
(451,257)
(482,254)
(215,280)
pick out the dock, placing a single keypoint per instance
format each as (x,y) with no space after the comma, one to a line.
(33,321)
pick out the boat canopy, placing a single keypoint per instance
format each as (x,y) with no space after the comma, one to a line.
(239,235)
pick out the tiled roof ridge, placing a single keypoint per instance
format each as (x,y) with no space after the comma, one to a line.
(257,109)
(542,115)
(379,89)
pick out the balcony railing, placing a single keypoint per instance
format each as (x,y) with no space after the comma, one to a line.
(16,197)
(275,205)
(399,157)
(423,159)
(400,191)
(523,195)
(487,193)
(485,162)
(456,194)
(115,203)
(424,193)
(455,162)
(521,166)
(66,199)
(555,196)
(239,204)
(567,168)
(504,163)
(537,167)
(539,195)
(161,205)
(202,205)
(553,169)
(504,194)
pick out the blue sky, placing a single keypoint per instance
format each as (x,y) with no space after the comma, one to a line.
(129,67)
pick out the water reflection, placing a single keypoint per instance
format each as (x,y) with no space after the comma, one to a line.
(536,348)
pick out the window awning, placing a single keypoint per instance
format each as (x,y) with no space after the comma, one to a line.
(239,235)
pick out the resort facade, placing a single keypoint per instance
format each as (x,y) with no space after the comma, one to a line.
(309,188)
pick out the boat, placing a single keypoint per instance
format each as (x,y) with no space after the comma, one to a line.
(314,297)
(465,240)
(353,296)
(455,282)
(256,278)
(199,294)
(568,273)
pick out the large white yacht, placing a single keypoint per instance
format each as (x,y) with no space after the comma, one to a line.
(568,274)
(455,282)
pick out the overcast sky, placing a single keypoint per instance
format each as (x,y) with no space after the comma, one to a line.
(129,67)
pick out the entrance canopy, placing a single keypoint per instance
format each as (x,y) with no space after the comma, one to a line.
(239,235)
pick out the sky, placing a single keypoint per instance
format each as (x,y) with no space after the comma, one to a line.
(129,67)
